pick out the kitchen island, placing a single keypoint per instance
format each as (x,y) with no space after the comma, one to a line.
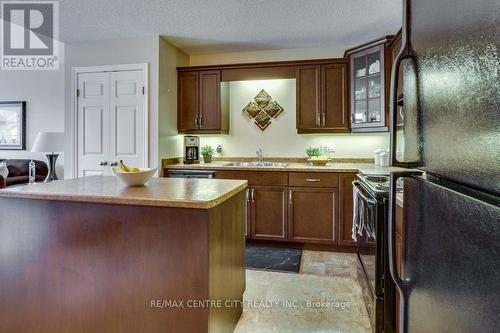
(91,255)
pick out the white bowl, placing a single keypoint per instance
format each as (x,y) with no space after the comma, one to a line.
(139,178)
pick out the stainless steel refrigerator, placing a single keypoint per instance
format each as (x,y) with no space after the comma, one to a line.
(449,128)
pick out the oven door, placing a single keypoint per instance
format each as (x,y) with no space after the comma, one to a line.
(370,223)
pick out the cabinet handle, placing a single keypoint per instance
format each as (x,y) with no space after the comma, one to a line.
(196,121)
(290,201)
(323,119)
(253,195)
(103,163)
(313,180)
(114,164)
(247,195)
(201,119)
(318,120)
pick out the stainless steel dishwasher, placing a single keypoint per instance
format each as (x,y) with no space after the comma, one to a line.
(190,174)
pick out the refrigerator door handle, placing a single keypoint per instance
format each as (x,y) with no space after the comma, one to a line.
(405,53)
(401,284)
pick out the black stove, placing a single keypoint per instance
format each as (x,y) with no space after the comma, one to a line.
(378,185)
(370,223)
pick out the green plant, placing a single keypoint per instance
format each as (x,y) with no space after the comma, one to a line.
(313,151)
(207,151)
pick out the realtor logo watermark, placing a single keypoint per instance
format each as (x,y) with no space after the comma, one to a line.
(29,35)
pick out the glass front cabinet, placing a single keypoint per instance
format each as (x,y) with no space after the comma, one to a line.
(368,89)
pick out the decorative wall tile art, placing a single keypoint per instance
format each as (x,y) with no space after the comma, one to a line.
(263,109)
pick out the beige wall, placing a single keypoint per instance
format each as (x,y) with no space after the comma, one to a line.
(114,52)
(169,59)
(268,55)
(280,139)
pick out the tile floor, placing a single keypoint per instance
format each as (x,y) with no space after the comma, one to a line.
(325,297)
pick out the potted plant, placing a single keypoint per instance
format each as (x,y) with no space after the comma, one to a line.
(207,152)
(313,151)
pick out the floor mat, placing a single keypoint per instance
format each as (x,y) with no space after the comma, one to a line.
(273,258)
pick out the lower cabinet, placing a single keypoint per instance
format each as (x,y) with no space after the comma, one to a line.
(268,213)
(303,207)
(313,214)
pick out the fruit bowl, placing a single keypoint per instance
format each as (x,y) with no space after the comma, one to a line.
(134,178)
(318,161)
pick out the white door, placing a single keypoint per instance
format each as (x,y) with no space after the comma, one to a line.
(127,118)
(111,121)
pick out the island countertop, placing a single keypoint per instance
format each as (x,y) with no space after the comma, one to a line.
(160,192)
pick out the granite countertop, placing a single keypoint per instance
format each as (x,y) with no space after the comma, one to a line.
(366,168)
(162,192)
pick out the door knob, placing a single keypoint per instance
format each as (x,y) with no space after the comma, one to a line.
(103,163)
(114,164)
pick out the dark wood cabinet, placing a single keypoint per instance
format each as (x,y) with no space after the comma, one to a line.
(268,217)
(210,115)
(322,98)
(313,214)
(346,208)
(313,208)
(202,102)
(187,117)
(335,97)
(308,105)
(370,73)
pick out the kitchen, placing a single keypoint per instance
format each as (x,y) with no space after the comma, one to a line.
(356,94)
(343,98)
(342,191)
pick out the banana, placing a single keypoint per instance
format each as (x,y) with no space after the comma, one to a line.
(123,167)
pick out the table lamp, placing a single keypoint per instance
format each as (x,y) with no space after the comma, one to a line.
(47,142)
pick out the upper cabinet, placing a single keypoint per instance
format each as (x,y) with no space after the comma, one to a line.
(322,97)
(370,67)
(202,102)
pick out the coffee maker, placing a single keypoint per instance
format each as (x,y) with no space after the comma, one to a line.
(191,149)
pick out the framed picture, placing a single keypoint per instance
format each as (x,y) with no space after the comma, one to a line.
(13,125)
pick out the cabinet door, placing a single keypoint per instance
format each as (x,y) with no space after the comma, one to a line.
(346,208)
(368,89)
(209,113)
(308,103)
(335,97)
(269,213)
(188,101)
(313,215)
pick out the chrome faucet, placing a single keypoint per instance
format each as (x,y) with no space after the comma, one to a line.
(260,154)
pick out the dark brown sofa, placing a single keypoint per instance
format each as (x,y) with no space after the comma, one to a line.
(19,172)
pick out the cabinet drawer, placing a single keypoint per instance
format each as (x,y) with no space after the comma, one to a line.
(263,178)
(313,179)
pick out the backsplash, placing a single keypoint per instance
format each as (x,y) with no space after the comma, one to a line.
(280,139)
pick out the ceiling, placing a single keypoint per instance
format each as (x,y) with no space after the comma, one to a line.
(216,26)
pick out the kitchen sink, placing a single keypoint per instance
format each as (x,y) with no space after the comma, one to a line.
(257,164)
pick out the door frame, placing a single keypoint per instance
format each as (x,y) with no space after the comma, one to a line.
(75,71)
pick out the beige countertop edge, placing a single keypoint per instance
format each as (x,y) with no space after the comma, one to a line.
(334,167)
(92,198)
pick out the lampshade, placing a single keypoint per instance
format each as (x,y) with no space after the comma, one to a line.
(48,142)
